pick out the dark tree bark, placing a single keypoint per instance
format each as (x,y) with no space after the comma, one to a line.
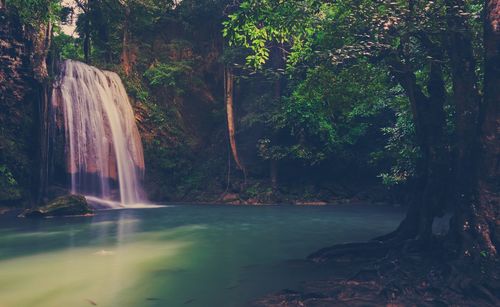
(466,175)
(490,168)
(489,178)
(86,48)
(278,63)
(466,99)
(475,226)
(432,168)
(85,7)
(474,229)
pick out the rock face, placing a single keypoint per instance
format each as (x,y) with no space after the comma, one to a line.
(69,205)
(22,98)
(17,112)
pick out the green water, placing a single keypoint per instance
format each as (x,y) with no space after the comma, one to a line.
(174,256)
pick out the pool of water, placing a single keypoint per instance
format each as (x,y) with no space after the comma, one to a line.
(185,255)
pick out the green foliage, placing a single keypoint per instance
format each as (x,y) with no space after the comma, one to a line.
(7,176)
(136,89)
(67,46)
(401,146)
(36,12)
(255,24)
(327,113)
(320,114)
(16,151)
(167,44)
(9,188)
(337,102)
(256,191)
(169,158)
(340,63)
(172,75)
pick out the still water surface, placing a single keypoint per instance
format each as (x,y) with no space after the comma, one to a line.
(185,255)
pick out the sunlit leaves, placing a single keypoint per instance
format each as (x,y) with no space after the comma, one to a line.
(258,24)
(172,75)
(364,28)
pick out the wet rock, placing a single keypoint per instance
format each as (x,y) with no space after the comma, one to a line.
(69,205)
(230,198)
(252,201)
(311,203)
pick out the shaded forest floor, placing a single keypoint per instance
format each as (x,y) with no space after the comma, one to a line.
(397,279)
(260,192)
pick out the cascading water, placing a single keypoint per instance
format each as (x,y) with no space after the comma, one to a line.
(103,145)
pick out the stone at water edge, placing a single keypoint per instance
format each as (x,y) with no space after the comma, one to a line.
(69,205)
(230,198)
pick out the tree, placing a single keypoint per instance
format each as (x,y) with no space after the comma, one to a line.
(477,212)
(84,25)
(116,22)
(229,97)
(423,44)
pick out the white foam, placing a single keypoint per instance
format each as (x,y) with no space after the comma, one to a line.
(111,204)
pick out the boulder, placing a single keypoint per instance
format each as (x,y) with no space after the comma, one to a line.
(69,205)
(230,198)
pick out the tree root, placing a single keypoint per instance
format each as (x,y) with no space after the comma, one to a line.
(352,250)
(393,273)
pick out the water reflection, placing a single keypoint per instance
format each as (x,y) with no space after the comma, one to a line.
(186,255)
(112,261)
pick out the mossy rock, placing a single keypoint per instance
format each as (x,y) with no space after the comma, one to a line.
(69,205)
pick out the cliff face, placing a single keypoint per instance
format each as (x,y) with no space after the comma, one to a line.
(23,72)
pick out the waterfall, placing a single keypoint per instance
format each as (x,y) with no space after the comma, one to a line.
(102,143)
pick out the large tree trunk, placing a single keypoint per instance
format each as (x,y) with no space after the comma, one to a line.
(435,155)
(489,119)
(86,47)
(466,98)
(229,95)
(432,168)
(490,169)
(476,208)
(278,63)
(86,7)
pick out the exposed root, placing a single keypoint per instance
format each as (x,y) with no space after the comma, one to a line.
(395,275)
(368,250)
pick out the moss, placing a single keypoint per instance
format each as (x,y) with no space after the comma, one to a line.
(62,206)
